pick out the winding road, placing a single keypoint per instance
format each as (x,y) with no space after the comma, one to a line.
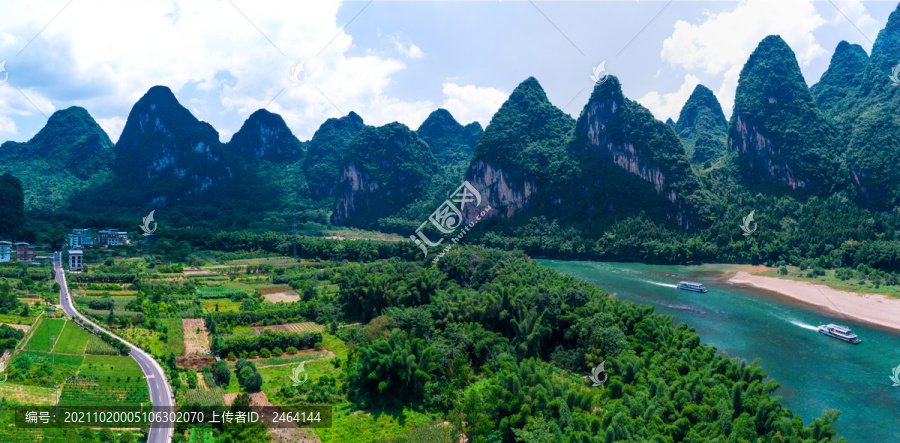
(160,391)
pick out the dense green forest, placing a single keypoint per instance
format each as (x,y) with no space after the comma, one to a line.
(500,346)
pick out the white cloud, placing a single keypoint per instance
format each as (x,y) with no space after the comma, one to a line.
(113,127)
(111,52)
(856,12)
(8,126)
(472,103)
(669,105)
(721,43)
(728,38)
(406,47)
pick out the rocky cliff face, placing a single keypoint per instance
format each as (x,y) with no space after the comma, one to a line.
(384,170)
(868,120)
(166,154)
(266,136)
(617,141)
(702,127)
(509,165)
(780,134)
(324,153)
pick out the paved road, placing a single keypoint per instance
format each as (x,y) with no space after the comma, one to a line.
(160,391)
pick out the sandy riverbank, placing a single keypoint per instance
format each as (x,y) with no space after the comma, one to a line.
(869,308)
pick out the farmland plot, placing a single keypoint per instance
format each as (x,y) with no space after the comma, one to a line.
(196,337)
(292,327)
(41,338)
(73,339)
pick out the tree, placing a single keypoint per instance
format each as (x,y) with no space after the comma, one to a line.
(221,374)
(106,435)
(254,382)
(126,437)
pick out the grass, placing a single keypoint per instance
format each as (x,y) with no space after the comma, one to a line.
(16,319)
(107,380)
(209,305)
(40,339)
(146,338)
(354,426)
(205,397)
(119,302)
(73,340)
(30,395)
(285,359)
(851,285)
(276,376)
(175,338)
(97,346)
(200,435)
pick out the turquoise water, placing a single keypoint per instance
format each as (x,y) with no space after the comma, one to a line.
(815,372)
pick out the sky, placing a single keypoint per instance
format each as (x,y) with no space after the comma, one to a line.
(389,61)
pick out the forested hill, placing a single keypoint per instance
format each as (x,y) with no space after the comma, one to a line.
(615,183)
(70,154)
(702,127)
(781,135)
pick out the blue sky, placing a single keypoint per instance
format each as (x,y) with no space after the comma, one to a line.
(390,60)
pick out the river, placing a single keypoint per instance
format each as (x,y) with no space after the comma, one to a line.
(815,372)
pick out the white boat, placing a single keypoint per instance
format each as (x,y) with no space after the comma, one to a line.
(691,286)
(839,332)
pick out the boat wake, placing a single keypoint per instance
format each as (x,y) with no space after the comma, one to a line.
(804,325)
(686,308)
(668,285)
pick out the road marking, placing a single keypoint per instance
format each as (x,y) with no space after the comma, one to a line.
(149,376)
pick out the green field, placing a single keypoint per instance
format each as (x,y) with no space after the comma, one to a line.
(97,346)
(106,380)
(175,340)
(73,339)
(353,426)
(41,338)
(200,435)
(209,305)
(16,319)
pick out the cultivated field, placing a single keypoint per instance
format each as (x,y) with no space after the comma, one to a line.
(41,338)
(289,296)
(196,337)
(292,327)
(29,395)
(73,339)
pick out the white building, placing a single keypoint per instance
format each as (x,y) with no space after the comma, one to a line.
(80,237)
(5,251)
(76,260)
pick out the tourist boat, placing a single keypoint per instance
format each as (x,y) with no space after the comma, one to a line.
(691,286)
(839,332)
